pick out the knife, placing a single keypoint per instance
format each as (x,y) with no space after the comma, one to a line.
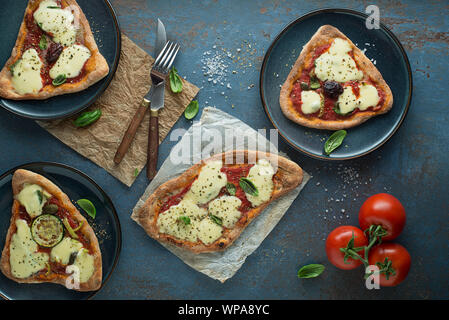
(157,103)
(156,91)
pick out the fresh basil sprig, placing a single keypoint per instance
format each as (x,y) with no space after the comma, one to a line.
(230,187)
(216,219)
(175,81)
(248,186)
(191,110)
(310,271)
(334,141)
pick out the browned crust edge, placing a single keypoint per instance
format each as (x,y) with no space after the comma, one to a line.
(289,176)
(99,66)
(322,37)
(22,176)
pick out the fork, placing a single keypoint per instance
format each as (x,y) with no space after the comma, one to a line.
(160,72)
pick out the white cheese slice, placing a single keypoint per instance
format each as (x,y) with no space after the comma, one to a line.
(56,21)
(70,61)
(209,183)
(26,73)
(85,262)
(261,175)
(24,258)
(369,97)
(33,198)
(62,251)
(311,102)
(336,64)
(209,231)
(168,221)
(226,208)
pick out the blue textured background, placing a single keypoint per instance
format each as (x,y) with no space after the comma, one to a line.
(413,165)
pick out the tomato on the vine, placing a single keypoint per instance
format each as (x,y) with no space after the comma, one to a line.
(393,261)
(351,240)
(385,211)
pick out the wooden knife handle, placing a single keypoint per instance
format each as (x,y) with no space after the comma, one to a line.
(131,131)
(153,144)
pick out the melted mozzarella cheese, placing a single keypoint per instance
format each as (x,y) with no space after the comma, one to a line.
(209,183)
(226,208)
(33,198)
(209,231)
(26,73)
(311,102)
(62,251)
(85,262)
(368,97)
(70,61)
(24,258)
(261,174)
(57,22)
(169,221)
(336,64)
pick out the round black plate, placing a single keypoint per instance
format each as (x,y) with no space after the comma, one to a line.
(381,46)
(106,31)
(106,226)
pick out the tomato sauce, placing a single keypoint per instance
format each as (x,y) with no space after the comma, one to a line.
(174,199)
(328,112)
(233,174)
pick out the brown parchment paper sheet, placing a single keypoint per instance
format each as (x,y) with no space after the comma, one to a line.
(99,141)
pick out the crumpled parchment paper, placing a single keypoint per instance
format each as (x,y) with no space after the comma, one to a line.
(99,141)
(224,264)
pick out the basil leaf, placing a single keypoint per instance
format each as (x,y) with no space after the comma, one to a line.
(337,110)
(304,86)
(87,118)
(39,196)
(136,172)
(334,141)
(43,42)
(230,187)
(59,80)
(11,67)
(87,206)
(54,7)
(191,110)
(310,271)
(184,219)
(248,186)
(314,83)
(175,81)
(216,219)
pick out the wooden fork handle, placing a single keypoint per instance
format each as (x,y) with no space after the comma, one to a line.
(131,131)
(153,144)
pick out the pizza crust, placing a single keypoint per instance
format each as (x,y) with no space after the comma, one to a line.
(323,36)
(21,177)
(287,178)
(96,67)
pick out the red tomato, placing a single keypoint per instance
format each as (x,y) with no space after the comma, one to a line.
(400,262)
(384,210)
(339,238)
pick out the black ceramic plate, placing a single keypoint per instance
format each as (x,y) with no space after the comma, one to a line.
(105,28)
(381,46)
(106,226)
